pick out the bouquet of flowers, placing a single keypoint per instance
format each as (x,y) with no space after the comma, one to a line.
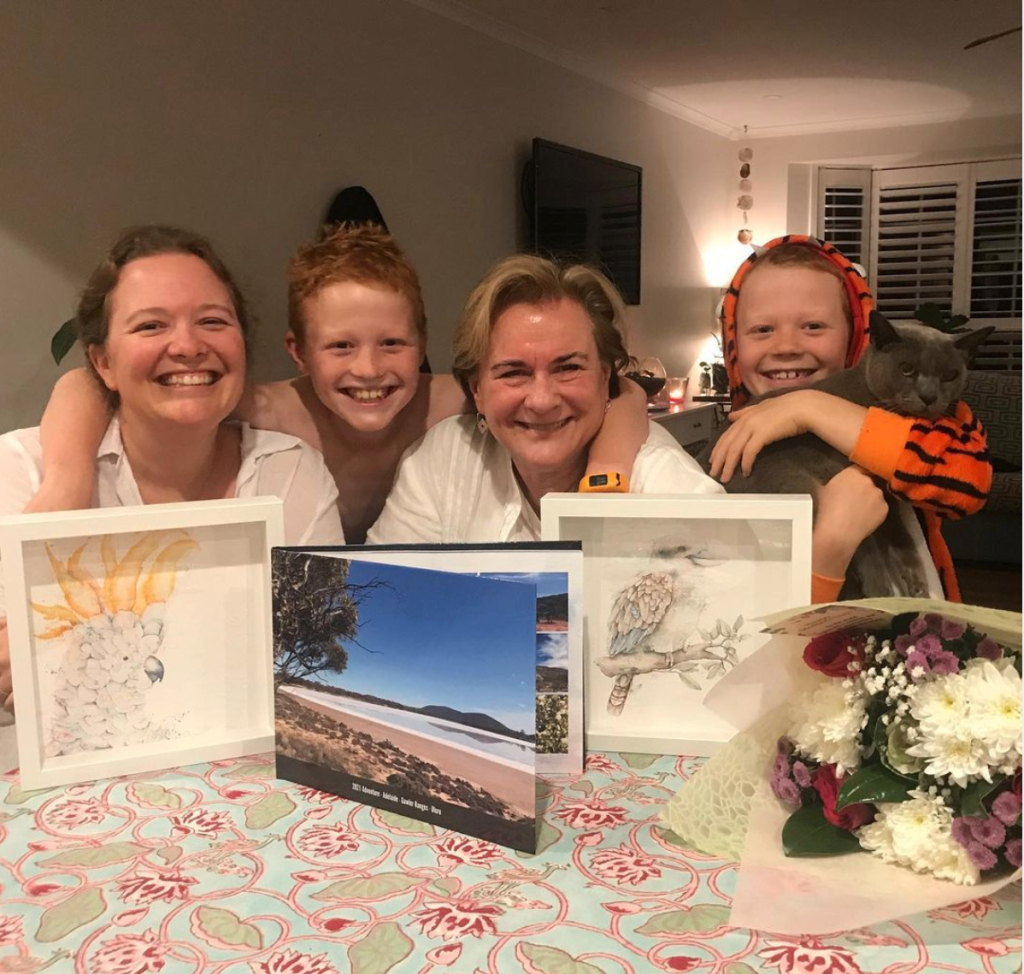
(911,749)
(894,729)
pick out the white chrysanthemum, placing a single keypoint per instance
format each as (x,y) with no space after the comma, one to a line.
(969,723)
(918,833)
(829,724)
(994,694)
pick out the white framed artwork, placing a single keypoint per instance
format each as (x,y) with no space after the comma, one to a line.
(140,636)
(673,587)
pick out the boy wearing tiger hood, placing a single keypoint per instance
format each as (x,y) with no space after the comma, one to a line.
(804,315)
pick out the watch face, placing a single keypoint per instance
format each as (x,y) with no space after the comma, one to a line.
(599,480)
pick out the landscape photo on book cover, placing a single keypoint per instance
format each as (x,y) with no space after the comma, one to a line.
(409,689)
(552,657)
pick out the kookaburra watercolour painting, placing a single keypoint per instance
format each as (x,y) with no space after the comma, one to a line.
(133,649)
(673,590)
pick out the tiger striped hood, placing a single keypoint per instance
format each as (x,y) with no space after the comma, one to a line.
(857,293)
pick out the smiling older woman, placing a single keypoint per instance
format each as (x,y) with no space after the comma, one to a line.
(538,349)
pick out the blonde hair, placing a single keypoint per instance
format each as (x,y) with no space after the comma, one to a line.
(527,279)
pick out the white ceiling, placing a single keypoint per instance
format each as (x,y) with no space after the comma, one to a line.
(780,67)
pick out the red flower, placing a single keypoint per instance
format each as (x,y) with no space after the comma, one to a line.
(598,762)
(826,784)
(450,921)
(986,947)
(591,815)
(199,821)
(70,815)
(457,849)
(810,955)
(328,841)
(832,653)
(625,865)
(680,962)
(153,885)
(292,962)
(130,954)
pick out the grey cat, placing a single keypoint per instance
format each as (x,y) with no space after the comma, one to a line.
(908,369)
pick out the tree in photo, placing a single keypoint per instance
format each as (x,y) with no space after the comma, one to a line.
(316,611)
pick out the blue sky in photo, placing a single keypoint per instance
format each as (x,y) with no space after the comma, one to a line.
(446,639)
(553,649)
(548,583)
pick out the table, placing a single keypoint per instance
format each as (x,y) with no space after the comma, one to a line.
(223,869)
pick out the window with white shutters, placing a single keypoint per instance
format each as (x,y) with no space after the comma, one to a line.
(844,200)
(948,235)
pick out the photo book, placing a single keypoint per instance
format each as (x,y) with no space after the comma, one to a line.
(434,681)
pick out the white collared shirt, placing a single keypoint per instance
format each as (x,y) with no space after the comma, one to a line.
(457,484)
(272,465)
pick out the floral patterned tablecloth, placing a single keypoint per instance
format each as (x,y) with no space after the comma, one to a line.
(222,868)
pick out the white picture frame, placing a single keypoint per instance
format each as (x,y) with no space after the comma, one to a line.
(673,586)
(183,592)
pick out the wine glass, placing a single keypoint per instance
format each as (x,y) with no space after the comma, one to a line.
(649,374)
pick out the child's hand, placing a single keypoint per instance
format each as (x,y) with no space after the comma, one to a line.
(754,427)
(849,508)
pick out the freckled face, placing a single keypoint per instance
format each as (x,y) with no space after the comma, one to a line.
(791,328)
(542,386)
(174,350)
(361,352)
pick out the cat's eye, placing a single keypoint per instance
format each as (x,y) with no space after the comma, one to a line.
(907,369)
(950,376)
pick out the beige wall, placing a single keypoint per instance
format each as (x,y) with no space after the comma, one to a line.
(242,119)
(782,186)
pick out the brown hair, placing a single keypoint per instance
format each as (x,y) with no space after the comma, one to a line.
(92,317)
(364,253)
(800,255)
(526,279)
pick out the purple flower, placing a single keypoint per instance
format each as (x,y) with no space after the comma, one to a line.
(784,747)
(903,643)
(934,621)
(988,831)
(988,648)
(801,774)
(982,857)
(944,662)
(961,831)
(781,766)
(918,626)
(916,659)
(1013,852)
(929,645)
(785,790)
(951,629)
(1006,807)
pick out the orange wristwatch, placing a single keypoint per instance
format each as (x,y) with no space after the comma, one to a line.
(605,483)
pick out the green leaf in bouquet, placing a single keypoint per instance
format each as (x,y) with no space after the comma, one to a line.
(891,745)
(808,833)
(972,801)
(874,783)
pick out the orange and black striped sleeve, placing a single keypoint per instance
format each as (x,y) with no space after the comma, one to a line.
(940,465)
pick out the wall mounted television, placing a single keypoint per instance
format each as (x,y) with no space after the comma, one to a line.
(585,207)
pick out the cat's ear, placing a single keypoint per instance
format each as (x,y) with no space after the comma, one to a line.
(882,331)
(969,343)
